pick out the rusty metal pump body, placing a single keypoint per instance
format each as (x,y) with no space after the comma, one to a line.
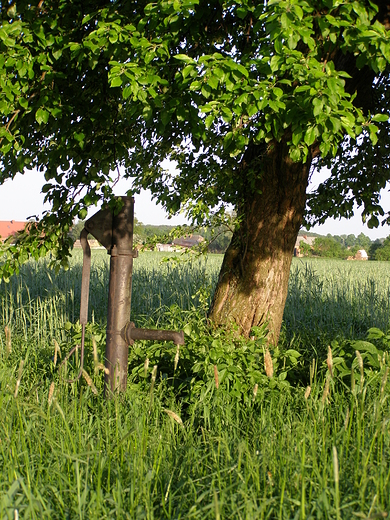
(115,233)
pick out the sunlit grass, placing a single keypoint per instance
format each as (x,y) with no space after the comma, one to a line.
(293,453)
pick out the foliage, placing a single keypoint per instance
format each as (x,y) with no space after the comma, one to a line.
(361,160)
(218,233)
(287,452)
(328,247)
(335,246)
(353,360)
(120,86)
(214,362)
(383,252)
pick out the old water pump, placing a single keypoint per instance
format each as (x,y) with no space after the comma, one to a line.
(115,232)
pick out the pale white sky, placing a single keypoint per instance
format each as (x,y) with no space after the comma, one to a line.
(21,198)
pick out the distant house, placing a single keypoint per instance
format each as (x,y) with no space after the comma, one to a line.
(305,240)
(165,247)
(188,241)
(179,243)
(360,255)
(10,228)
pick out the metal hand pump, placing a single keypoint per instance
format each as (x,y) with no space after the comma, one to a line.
(115,233)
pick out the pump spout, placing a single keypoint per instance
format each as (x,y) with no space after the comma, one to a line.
(132,333)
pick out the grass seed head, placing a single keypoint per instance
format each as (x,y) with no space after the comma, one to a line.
(361,366)
(346,422)
(312,371)
(384,380)
(174,416)
(268,365)
(89,381)
(307,392)
(329,361)
(57,352)
(154,374)
(335,465)
(255,389)
(100,366)
(146,366)
(51,394)
(216,377)
(176,362)
(20,372)
(7,332)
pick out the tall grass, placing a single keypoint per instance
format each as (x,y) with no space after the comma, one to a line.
(283,452)
(335,298)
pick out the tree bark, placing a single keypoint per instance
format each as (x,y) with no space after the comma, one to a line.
(253,282)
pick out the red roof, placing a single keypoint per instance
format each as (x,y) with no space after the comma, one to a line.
(188,241)
(10,227)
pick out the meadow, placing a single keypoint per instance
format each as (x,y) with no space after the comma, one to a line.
(205,431)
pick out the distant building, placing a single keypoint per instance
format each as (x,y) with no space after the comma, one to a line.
(10,228)
(168,248)
(188,241)
(360,255)
(305,240)
(179,243)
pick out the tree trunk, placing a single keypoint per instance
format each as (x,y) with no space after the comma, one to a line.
(253,282)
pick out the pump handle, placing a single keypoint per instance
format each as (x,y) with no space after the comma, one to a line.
(85,277)
(83,300)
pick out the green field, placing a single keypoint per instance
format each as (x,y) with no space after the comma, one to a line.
(215,437)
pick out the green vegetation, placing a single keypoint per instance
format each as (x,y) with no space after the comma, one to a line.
(344,246)
(217,236)
(383,252)
(215,437)
(243,98)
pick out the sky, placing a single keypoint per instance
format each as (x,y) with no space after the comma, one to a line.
(22,198)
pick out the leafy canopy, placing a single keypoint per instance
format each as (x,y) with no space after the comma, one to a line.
(93,89)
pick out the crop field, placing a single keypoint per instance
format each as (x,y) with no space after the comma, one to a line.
(207,431)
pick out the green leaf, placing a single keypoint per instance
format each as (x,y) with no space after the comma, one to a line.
(310,136)
(46,188)
(79,136)
(241,12)
(147,112)
(116,82)
(243,70)
(318,106)
(297,137)
(82,213)
(335,85)
(209,120)
(187,70)
(373,222)
(42,116)
(213,81)
(380,118)
(23,102)
(277,92)
(373,130)
(336,123)
(185,58)
(252,110)
(375,333)
(126,92)
(227,114)
(295,154)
